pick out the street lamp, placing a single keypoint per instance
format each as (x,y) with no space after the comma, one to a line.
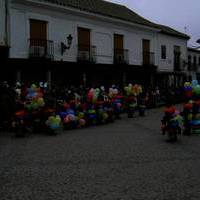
(64,47)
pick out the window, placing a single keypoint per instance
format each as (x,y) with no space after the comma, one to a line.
(38,29)
(177,58)
(189,59)
(163,52)
(39,45)
(146,52)
(118,41)
(177,49)
(189,62)
(194,60)
(118,48)
(85,50)
(84,39)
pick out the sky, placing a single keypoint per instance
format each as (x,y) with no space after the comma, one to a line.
(182,15)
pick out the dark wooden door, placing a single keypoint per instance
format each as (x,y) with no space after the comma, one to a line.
(83,39)
(38,29)
(38,37)
(38,33)
(146,51)
(118,48)
(118,41)
(177,56)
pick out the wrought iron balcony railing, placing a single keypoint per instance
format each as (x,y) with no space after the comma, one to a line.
(39,48)
(121,56)
(182,65)
(192,66)
(177,67)
(86,53)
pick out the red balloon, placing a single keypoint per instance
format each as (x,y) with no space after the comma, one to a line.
(170,110)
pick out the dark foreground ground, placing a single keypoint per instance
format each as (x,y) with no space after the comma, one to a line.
(126,160)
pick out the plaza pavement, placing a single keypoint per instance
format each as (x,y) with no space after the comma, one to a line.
(125,160)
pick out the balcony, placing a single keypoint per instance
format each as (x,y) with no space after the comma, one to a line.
(182,65)
(86,54)
(121,56)
(192,66)
(42,49)
(4,53)
(177,67)
(189,67)
(148,58)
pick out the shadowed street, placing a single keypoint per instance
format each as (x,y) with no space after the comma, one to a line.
(127,160)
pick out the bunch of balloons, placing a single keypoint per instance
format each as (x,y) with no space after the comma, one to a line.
(113,92)
(69,118)
(81,119)
(117,102)
(192,108)
(34,97)
(93,95)
(133,90)
(192,89)
(174,115)
(177,118)
(92,114)
(54,122)
(102,115)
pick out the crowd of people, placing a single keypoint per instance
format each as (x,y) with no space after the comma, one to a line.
(74,107)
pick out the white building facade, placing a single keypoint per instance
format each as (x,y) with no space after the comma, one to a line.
(41,29)
(172,59)
(2,23)
(4,29)
(193,70)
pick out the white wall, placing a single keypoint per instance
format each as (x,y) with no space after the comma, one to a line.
(61,24)
(2,22)
(19,37)
(192,54)
(167,65)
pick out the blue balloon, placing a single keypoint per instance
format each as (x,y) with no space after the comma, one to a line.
(188,88)
(117,101)
(195,83)
(62,114)
(174,124)
(31,95)
(54,126)
(92,116)
(30,90)
(195,122)
(70,112)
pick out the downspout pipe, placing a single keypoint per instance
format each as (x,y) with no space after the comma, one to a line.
(6,22)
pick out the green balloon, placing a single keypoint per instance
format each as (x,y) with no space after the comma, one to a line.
(196,90)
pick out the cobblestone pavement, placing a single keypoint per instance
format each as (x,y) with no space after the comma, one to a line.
(126,160)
